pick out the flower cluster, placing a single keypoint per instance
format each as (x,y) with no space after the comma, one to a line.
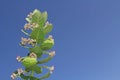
(36,29)
(28,26)
(18,73)
(25,41)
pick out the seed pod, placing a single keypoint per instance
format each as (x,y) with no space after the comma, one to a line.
(47,44)
(28,62)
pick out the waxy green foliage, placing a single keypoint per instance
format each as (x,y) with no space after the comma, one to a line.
(47,44)
(28,62)
(38,45)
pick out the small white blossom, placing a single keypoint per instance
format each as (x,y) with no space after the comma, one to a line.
(24,41)
(50,37)
(18,58)
(30,15)
(34,25)
(27,26)
(32,42)
(20,71)
(13,76)
(47,23)
(33,55)
(52,54)
(51,69)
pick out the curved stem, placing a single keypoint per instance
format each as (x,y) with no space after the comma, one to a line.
(44,60)
(45,52)
(25,32)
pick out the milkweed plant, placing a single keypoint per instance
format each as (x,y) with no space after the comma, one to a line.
(38,42)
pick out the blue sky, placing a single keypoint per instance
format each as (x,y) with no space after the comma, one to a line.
(86,32)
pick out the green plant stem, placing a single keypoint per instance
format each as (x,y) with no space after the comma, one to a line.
(32,73)
(44,60)
(45,52)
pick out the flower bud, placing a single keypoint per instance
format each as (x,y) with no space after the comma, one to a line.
(29,61)
(48,43)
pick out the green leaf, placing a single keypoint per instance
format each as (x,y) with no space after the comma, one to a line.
(33,78)
(46,75)
(48,28)
(37,50)
(44,60)
(39,18)
(37,69)
(28,77)
(47,44)
(36,16)
(43,19)
(38,35)
(28,62)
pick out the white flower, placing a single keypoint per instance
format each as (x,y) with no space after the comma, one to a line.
(32,42)
(30,15)
(51,69)
(27,26)
(18,58)
(24,41)
(33,55)
(51,37)
(20,71)
(13,76)
(52,54)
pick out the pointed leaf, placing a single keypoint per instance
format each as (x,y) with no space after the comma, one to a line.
(44,60)
(37,34)
(36,16)
(33,78)
(43,19)
(37,69)
(46,75)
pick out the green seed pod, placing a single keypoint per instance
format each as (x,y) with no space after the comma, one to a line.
(28,62)
(47,44)
(48,28)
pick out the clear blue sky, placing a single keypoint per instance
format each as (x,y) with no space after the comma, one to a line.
(86,32)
